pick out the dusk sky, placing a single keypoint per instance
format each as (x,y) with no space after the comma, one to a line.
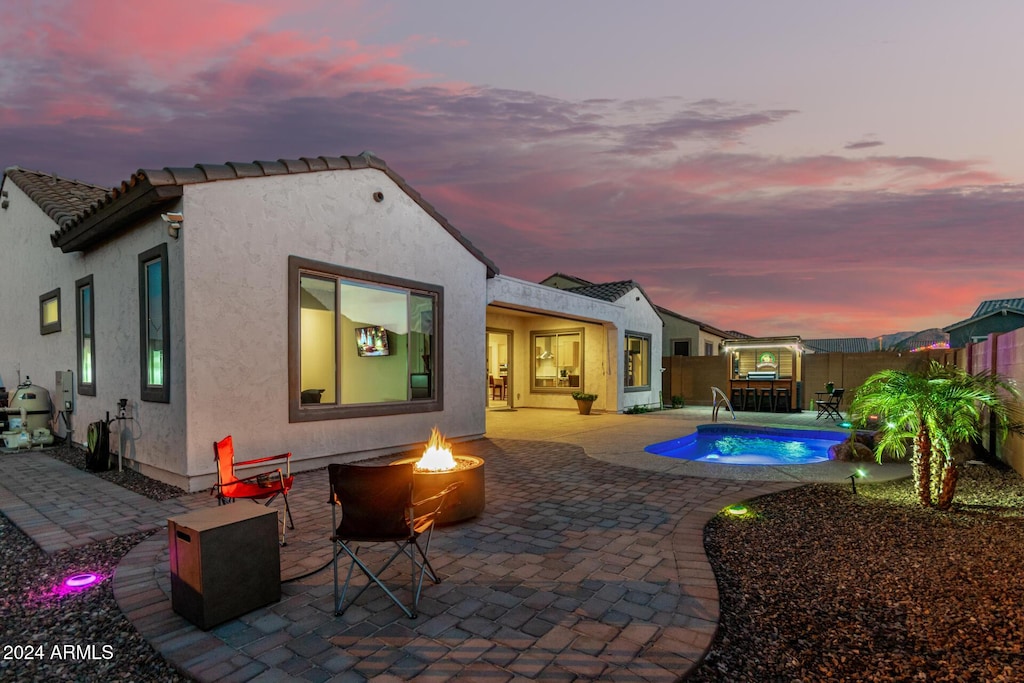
(823,169)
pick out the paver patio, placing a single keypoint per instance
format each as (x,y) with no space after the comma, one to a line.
(578,569)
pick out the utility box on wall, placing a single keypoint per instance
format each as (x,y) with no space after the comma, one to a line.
(225,561)
(65,383)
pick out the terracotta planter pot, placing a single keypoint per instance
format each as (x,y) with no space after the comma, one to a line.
(584,406)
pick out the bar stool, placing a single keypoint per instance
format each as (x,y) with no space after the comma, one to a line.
(737,398)
(750,398)
(782,400)
(765,399)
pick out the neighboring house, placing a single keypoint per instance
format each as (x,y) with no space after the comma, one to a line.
(634,337)
(994,315)
(688,337)
(264,314)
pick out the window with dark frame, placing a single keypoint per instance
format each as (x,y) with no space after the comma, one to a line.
(637,366)
(154,325)
(49,312)
(681,347)
(85,318)
(361,343)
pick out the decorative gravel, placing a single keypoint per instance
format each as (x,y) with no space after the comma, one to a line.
(819,584)
(54,634)
(126,478)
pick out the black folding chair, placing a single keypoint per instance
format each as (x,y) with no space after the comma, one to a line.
(377,506)
(830,406)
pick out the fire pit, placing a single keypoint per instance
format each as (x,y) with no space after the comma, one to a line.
(438,468)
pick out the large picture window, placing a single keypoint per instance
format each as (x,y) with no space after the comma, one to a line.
(557,360)
(637,368)
(49,312)
(154,325)
(85,318)
(361,343)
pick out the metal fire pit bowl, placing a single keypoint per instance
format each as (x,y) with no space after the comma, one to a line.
(465,502)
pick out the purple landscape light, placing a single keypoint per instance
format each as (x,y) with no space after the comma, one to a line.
(81,580)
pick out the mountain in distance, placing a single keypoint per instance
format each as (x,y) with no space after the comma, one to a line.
(890,340)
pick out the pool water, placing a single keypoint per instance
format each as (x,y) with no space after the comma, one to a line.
(737,445)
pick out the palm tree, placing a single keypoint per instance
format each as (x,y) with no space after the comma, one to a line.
(934,408)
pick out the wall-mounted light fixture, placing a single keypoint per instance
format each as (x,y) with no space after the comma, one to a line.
(4,202)
(173,221)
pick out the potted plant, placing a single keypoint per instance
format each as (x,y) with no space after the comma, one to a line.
(584,401)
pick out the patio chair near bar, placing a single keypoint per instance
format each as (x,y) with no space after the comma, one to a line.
(829,408)
(376,506)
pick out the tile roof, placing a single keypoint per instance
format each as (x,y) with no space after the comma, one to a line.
(842,345)
(85,218)
(572,278)
(60,198)
(704,326)
(993,305)
(607,291)
(988,308)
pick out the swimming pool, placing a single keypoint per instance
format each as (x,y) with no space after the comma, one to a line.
(740,445)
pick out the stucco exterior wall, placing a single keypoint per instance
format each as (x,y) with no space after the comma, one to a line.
(677,329)
(31,266)
(541,308)
(237,237)
(641,317)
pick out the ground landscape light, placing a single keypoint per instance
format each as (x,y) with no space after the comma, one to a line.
(737,510)
(79,581)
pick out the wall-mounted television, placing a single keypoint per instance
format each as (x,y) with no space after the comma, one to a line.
(372,341)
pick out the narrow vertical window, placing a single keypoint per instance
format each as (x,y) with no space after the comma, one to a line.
(85,318)
(638,361)
(318,337)
(154,324)
(49,312)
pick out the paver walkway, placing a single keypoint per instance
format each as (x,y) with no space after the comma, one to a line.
(578,569)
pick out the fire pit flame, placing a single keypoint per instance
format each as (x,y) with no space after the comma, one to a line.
(437,457)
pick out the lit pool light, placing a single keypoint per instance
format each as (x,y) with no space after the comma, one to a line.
(80,581)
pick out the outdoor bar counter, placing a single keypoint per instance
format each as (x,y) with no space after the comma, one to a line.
(765,365)
(759,384)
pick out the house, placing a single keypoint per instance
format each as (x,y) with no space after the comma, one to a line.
(994,315)
(319,306)
(301,305)
(688,337)
(599,339)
